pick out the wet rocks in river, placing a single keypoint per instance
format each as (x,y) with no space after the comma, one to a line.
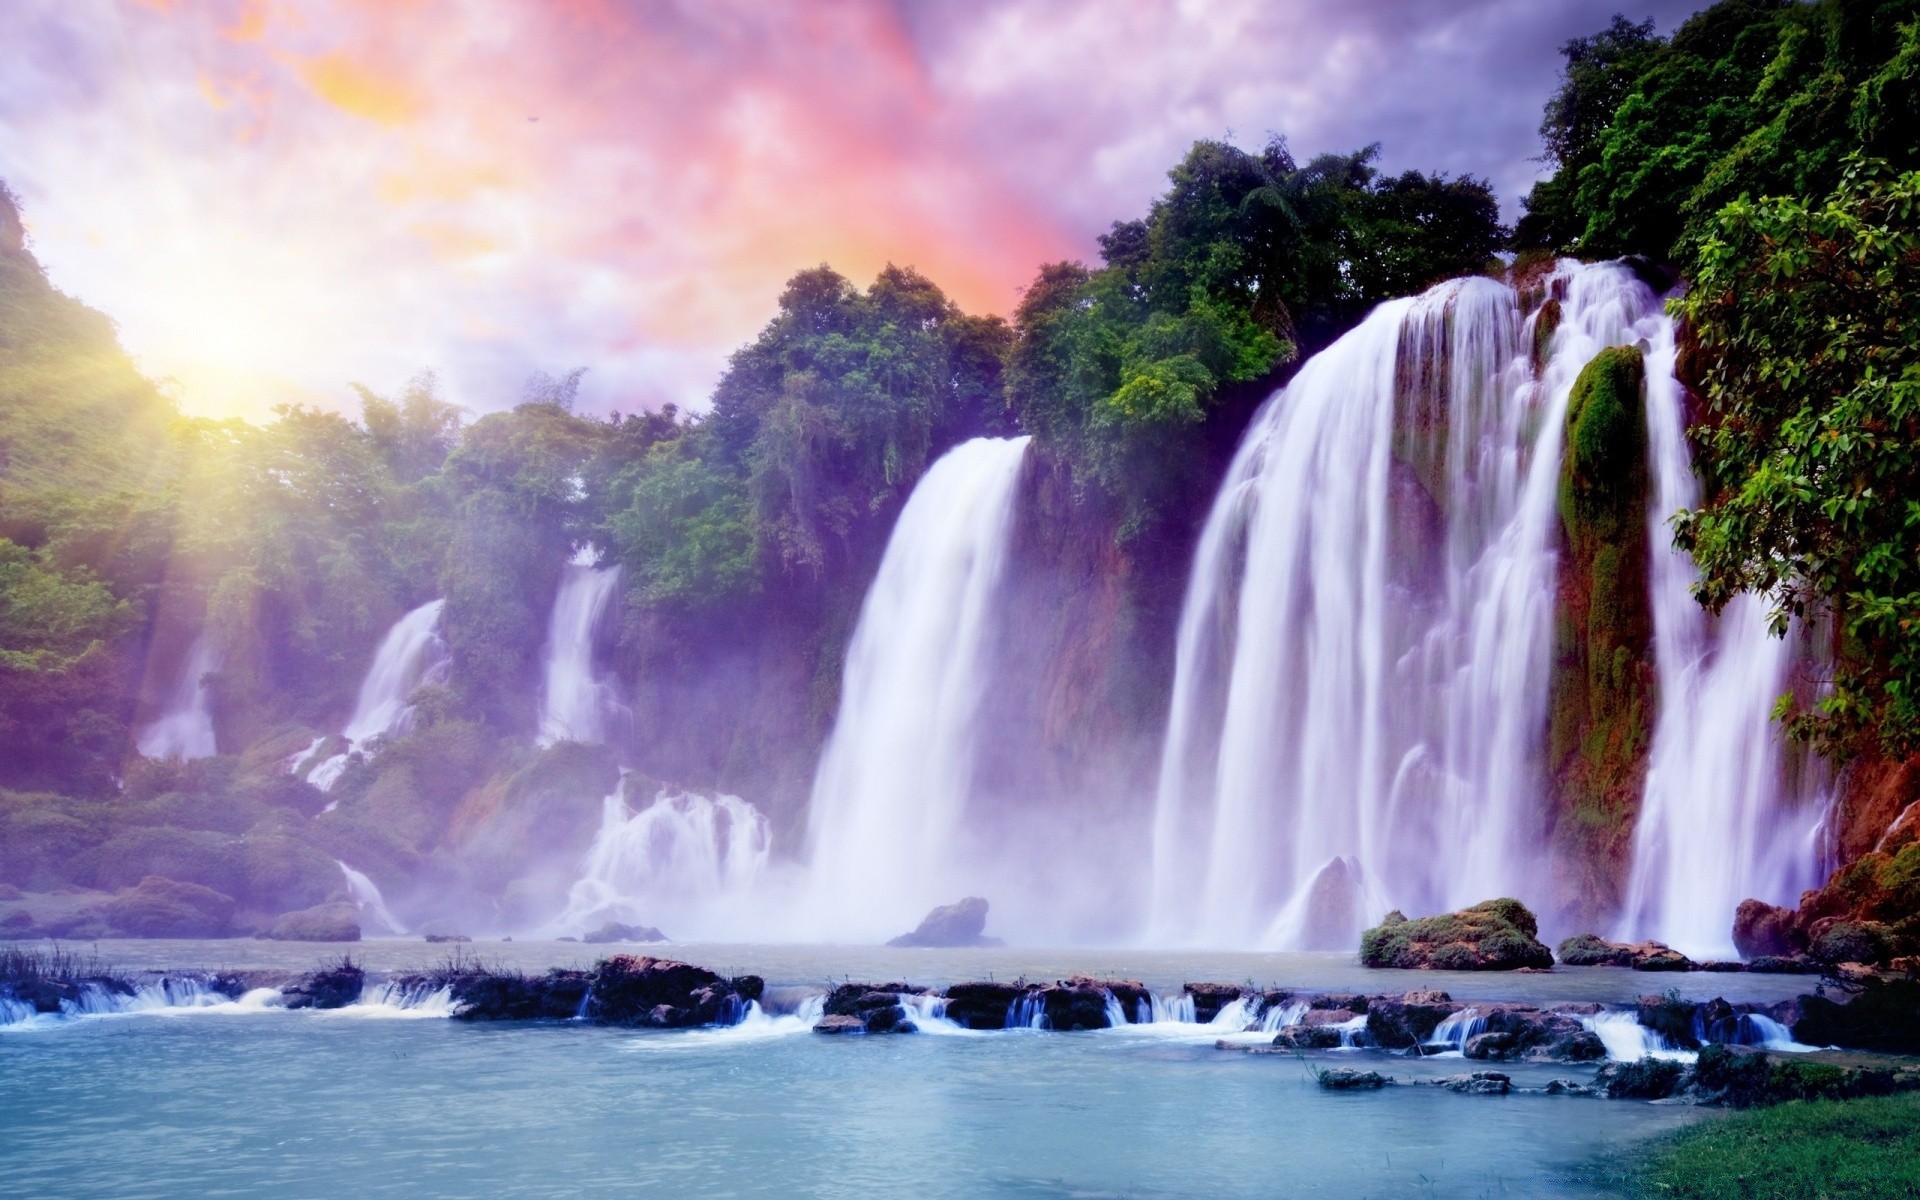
(334,986)
(1479,1083)
(1346,1079)
(839,1024)
(1589,950)
(509,996)
(1762,930)
(659,992)
(1210,998)
(875,1006)
(1496,935)
(950,926)
(1402,1023)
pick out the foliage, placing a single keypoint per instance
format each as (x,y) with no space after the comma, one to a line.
(1494,935)
(1245,262)
(1806,324)
(1847,1150)
(1651,138)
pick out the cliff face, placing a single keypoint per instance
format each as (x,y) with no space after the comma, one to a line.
(1603,685)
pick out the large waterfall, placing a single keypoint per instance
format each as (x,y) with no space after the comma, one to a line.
(184,728)
(1364,653)
(890,796)
(412,654)
(1724,818)
(576,703)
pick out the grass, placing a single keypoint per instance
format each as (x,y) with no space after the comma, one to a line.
(23,964)
(1806,1150)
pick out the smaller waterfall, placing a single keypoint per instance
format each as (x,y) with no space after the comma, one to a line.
(367,898)
(1456,1030)
(410,656)
(184,729)
(890,797)
(691,863)
(577,704)
(1722,818)
(1627,1040)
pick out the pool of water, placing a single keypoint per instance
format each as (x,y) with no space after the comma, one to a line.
(247,1103)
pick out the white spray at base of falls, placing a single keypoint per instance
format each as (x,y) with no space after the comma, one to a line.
(1722,818)
(1359,710)
(411,655)
(184,729)
(576,703)
(687,863)
(890,795)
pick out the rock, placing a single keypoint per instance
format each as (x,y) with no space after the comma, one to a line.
(1346,1079)
(1497,935)
(1480,1083)
(1482,1046)
(1843,941)
(1672,1018)
(1743,1078)
(334,986)
(1720,967)
(1883,1016)
(166,908)
(952,925)
(839,1024)
(1589,950)
(858,999)
(1354,1003)
(338,921)
(1327,1016)
(614,931)
(1333,907)
(1402,1024)
(1210,998)
(1081,1002)
(1308,1037)
(660,992)
(1762,930)
(1569,1087)
(438,938)
(559,995)
(891,1019)
(983,1005)
(1647,1079)
(1784,965)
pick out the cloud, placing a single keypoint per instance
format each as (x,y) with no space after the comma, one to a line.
(287,195)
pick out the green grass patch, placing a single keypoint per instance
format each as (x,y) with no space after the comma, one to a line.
(1806,1150)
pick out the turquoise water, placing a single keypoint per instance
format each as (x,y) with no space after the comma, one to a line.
(311,1104)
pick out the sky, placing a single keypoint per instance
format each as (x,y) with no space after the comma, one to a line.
(277,198)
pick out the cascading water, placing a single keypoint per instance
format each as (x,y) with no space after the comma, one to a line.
(576,703)
(1364,653)
(367,898)
(690,863)
(410,656)
(890,796)
(1723,818)
(184,729)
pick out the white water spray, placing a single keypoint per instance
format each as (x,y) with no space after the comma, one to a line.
(184,728)
(889,800)
(367,898)
(577,704)
(410,656)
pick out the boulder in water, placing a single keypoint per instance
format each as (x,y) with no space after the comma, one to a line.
(1333,907)
(660,992)
(950,926)
(1496,935)
(876,1006)
(166,908)
(334,986)
(840,1024)
(1346,1079)
(338,921)
(482,995)
(1590,950)
(1402,1023)
(1480,1083)
(984,1005)
(614,931)
(1762,930)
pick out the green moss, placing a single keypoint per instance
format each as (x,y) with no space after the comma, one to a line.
(1852,1150)
(1495,935)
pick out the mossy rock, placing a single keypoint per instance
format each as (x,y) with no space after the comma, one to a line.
(1750,1078)
(1495,935)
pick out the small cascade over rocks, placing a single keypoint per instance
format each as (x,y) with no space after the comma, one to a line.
(689,863)
(184,728)
(411,656)
(577,703)
(887,822)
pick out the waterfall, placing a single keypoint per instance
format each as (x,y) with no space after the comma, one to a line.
(184,728)
(576,704)
(891,791)
(367,898)
(1722,818)
(688,863)
(1364,652)
(410,656)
